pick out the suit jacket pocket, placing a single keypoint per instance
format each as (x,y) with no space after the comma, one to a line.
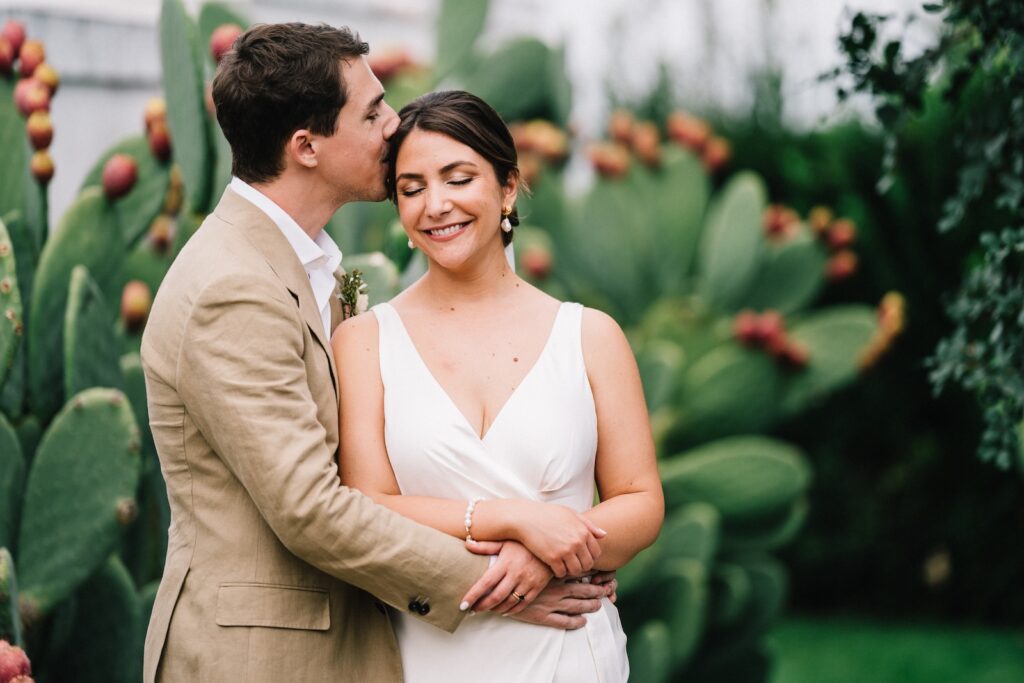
(274,606)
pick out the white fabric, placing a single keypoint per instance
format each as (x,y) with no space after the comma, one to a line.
(541,446)
(320,257)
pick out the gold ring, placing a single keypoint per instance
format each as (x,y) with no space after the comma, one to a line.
(518,597)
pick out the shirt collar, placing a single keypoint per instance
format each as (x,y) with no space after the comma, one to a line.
(321,252)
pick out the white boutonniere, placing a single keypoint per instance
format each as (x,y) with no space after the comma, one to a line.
(352,293)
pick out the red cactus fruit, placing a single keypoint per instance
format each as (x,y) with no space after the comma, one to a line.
(30,96)
(841,234)
(41,166)
(646,143)
(160,140)
(48,76)
(13,661)
(6,57)
(841,265)
(892,313)
(717,152)
(119,175)
(161,232)
(222,38)
(536,261)
(688,130)
(771,330)
(620,126)
(14,32)
(30,56)
(388,63)
(794,355)
(819,219)
(745,328)
(136,300)
(40,129)
(156,110)
(610,159)
(779,222)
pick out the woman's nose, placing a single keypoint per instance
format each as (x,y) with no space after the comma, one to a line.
(438,203)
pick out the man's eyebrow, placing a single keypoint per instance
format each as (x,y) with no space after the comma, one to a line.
(444,169)
(374,103)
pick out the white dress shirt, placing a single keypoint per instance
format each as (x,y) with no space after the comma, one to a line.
(320,257)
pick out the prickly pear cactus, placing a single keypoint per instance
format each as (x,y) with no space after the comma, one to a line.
(79,496)
(137,209)
(105,631)
(12,326)
(181,55)
(12,476)
(90,347)
(10,622)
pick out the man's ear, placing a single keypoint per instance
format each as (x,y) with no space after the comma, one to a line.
(301,148)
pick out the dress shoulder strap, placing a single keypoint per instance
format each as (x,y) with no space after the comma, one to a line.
(567,336)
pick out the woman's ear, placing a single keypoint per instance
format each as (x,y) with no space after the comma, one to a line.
(510,190)
(301,148)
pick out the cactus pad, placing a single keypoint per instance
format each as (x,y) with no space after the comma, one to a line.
(12,326)
(733,245)
(89,234)
(12,475)
(105,641)
(137,209)
(87,462)
(182,59)
(744,477)
(10,622)
(90,347)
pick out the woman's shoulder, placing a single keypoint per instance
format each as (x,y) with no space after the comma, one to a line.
(356,330)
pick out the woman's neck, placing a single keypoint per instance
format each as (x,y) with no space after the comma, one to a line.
(483,283)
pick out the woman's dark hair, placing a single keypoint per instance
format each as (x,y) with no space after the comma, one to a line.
(276,79)
(466,118)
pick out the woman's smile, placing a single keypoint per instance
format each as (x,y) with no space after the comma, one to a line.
(447,232)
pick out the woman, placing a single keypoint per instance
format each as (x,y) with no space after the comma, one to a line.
(481,406)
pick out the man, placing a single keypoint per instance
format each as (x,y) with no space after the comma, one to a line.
(270,562)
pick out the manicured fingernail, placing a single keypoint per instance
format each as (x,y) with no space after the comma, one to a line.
(463,606)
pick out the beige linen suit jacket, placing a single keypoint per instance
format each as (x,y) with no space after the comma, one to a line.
(271,563)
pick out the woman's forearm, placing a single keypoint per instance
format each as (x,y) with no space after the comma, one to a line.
(492,519)
(632,521)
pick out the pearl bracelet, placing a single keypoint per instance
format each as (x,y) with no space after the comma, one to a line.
(469,517)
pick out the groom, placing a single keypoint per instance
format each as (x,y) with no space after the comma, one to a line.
(272,566)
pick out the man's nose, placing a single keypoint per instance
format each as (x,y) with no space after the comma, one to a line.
(391,121)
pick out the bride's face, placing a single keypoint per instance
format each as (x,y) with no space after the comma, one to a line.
(449,199)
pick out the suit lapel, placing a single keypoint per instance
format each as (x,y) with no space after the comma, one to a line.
(264,234)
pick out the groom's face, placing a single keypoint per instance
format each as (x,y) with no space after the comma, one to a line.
(354,157)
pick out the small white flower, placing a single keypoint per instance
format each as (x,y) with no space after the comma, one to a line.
(362,303)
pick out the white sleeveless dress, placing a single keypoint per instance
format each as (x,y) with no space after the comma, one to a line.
(541,446)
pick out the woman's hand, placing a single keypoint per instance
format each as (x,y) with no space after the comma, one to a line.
(513,581)
(560,537)
(562,604)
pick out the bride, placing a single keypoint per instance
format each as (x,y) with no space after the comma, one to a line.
(482,407)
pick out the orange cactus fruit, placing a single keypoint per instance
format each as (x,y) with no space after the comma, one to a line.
(841,265)
(30,56)
(688,130)
(842,233)
(716,154)
(221,40)
(41,166)
(620,126)
(610,159)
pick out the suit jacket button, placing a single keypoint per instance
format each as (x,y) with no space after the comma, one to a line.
(424,609)
(415,606)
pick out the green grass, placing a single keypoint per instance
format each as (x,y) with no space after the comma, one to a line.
(858,651)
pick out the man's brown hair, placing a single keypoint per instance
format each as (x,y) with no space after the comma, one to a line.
(276,79)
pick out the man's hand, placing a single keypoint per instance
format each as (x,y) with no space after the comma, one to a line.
(562,604)
(513,580)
